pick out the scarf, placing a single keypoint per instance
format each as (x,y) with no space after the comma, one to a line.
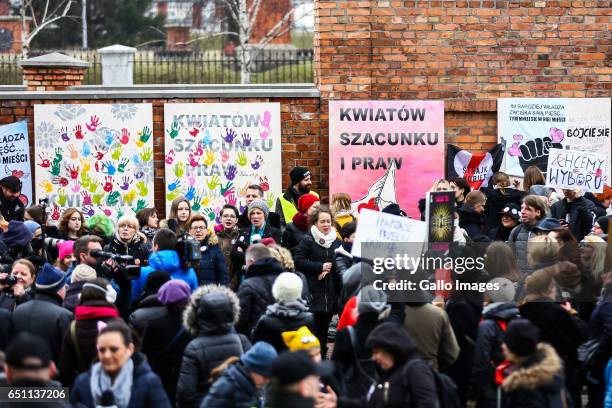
(301,221)
(257,231)
(325,241)
(100,381)
(291,309)
(94,312)
(148,232)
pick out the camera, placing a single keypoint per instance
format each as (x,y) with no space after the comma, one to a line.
(125,263)
(188,249)
(10,281)
(51,243)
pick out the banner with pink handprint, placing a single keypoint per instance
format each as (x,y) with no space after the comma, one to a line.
(530,127)
(97,158)
(214,151)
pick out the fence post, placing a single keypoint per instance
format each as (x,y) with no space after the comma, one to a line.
(117,65)
(53,72)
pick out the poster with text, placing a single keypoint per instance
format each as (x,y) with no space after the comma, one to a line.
(530,127)
(571,169)
(214,151)
(97,158)
(476,168)
(15,157)
(385,152)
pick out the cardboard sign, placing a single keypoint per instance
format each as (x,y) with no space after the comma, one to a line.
(572,169)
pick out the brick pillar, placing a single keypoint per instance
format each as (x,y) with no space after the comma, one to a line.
(53,72)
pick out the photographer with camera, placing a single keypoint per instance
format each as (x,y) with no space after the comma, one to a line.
(129,241)
(212,268)
(16,287)
(166,258)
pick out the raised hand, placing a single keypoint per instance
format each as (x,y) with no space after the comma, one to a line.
(179,169)
(64,134)
(86,197)
(44,161)
(78,132)
(122,164)
(125,183)
(230,172)
(61,197)
(74,171)
(190,193)
(175,185)
(109,167)
(146,155)
(193,161)
(230,135)
(74,154)
(213,183)
(142,188)
(257,162)
(227,189)
(242,159)
(174,130)
(117,152)
(46,186)
(88,211)
(210,157)
(108,185)
(125,136)
(112,198)
(93,124)
(246,139)
(170,157)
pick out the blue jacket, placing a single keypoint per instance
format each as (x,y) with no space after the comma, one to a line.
(233,389)
(608,398)
(213,269)
(166,260)
(147,389)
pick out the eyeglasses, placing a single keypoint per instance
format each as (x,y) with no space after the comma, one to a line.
(230,216)
(198,228)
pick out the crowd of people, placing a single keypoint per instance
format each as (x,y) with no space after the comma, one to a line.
(268,308)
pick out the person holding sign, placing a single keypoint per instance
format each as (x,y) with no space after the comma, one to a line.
(11,207)
(576,211)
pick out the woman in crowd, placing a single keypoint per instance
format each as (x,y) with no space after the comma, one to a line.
(180,211)
(471,214)
(341,210)
(314,257)
(498,197)
(12,296)
(439,185)
(79,342)
(210,318)
(227,233)
(461,188)
(298,228)
(593,256)
(212,268)
(509,217)
(128,240)
(65,255)
(148,223)
(600,227)
(534,182)
(36,213)
(121,371)
(72,224)
(500,262)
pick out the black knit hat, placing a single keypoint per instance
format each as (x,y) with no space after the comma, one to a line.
(291,367)
(12,183)
(298,174)
(522,337)
(28,351)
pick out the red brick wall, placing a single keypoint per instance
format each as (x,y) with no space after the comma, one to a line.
(299,122)
(270,13)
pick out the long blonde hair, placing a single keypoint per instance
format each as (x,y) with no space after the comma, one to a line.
(341,202)
(597,262)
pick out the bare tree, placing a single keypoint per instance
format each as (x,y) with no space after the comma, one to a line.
(42,13)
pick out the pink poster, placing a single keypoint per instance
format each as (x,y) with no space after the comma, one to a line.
(384,152)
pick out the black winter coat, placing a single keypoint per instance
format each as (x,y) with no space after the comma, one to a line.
(309,258)
(255,293)
(9,301)
(213,269)
(226,242)
(44,317)
(292,236)
(73,295)
(147,390)
(488,354)
(233,389)
(6,328)
(343,353)
(471,221)
(163,343)
(13,210)
(579,214)
(147,309)
(280,318)
(244,241)
(137,248)
(496,201)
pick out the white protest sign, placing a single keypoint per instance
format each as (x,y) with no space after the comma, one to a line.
(386,229)
(572,169)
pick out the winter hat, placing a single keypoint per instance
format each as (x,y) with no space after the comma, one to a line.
(394,209)
(101,223)
(605,194)
(28,352)
(306,201)
(12,183)
(287,287)
(292,367)
(65,248)
(17,235)
(504,293)
(175,291)
(511,210)
(298,174)
(83,273)
(259,358)
(521,337)
(604,223)
(300,339)
(549,224)
(370,300)
(50,279)
(260,205)
(32,225)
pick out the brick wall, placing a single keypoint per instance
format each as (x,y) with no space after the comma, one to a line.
(468,53)
(299,121)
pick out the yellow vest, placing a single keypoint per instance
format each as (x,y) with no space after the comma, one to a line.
(289,209)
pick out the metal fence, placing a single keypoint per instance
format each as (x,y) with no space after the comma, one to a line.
(175,67)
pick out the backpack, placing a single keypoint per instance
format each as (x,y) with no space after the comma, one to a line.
(360,376)
(448,397)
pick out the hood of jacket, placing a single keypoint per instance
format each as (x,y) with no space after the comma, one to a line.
(166,260)
(539,189)
(290,309)
(394,339)
(543,370)
(266,266)
(211,308)
(496,198)
(468,216)
(500,311)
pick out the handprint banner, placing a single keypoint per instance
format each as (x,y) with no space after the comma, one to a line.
(97,158)
(530,127)
(15,157)
(572,169)
(215,150)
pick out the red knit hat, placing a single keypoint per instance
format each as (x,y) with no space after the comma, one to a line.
(306,201)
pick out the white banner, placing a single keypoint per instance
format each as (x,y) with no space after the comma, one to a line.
(97,158)
(15,157)
(214,151)
(572,169)
(530,127)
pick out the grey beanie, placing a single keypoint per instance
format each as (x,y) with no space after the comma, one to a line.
(260,205)
(504,293)
(370,300)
